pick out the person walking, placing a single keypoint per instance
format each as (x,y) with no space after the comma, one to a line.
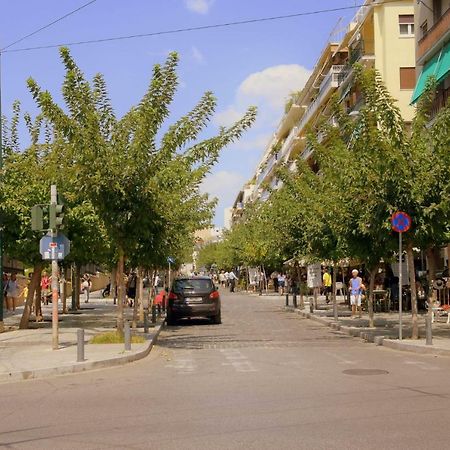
(232,280)
(281,283)
(12,292)
(326,279)
(45,287)
(131,288)
(356,287)
(222,278)
(86,287)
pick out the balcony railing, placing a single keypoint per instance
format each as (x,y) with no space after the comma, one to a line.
(331,81)
(287,143)
(434,34)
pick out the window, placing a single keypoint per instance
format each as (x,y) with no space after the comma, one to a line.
(437,10)
(406,24)
(424,28)
(407,77)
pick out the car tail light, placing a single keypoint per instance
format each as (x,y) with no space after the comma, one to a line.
(214,295)
(173,296)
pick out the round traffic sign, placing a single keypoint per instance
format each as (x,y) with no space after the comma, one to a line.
(401,222)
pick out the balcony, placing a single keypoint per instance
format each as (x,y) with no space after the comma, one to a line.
(332,80)
(267,169)
(285,149)
(434,36)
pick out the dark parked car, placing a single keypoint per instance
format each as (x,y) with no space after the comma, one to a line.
(193,297)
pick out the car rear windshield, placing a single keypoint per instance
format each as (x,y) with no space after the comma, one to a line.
(192,285)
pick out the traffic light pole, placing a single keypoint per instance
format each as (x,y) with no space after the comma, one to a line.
(55,343)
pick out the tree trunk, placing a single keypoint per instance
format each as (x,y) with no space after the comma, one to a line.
(431,266)
(64,291)
(141,293)
(373,274)
(76,287)
(113,284)
(333,293)
(412,281)
(138,298)
(120,291)
(32,288)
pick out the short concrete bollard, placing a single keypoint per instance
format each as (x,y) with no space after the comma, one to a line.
(80,345)
(428,330)
(127,336)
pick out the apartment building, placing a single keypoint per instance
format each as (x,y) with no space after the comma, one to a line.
(382,36)
(432,23)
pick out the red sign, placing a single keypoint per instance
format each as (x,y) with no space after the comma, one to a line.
(401,222)
(53,244)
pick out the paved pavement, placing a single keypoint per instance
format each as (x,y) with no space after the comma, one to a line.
(386,330)
(26,354)
(263,379)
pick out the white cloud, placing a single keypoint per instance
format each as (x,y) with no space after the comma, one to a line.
(197,55)
(274,83)
(227,117)
(199,6)
(224,185)
(253,142)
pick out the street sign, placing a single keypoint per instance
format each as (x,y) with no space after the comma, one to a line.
(401,222)
(54,247)
(170,260)
(314,275)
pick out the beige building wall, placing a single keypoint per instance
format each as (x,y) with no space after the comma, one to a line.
(393,51)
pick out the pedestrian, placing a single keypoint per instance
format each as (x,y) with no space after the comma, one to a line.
(45,287)
(86,286)
(356,287)
(222,278)
(281,282)
(131,288)
(232,280)
(326,279)
(274,277)
(12,292)
(227,278)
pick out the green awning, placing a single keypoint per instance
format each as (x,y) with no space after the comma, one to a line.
(438,66)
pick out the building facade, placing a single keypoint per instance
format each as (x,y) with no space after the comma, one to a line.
(432,22)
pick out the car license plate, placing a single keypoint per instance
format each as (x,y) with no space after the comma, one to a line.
(194,299)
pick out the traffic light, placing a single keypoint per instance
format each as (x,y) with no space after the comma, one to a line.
(37,218)
(55,216)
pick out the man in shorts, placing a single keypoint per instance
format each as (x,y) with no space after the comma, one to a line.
(356,287)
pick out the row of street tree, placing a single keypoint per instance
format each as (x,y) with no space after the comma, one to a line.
(130,184)
(370,166)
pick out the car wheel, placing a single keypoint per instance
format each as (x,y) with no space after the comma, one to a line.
(217,319)
(170,320)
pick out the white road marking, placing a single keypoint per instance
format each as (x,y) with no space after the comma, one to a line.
(422,365)
(342,360)
(183,365)
(237,360)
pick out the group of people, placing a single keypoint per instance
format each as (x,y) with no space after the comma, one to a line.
(228,279)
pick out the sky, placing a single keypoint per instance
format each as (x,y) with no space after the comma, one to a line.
(253,64)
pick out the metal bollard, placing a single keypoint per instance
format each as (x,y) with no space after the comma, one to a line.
(428,330)
(80,345)
(127,336)
(287,299)
(146,320)
(153,313)
(294,299)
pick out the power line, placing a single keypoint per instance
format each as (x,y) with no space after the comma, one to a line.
(48,25)
(184,30)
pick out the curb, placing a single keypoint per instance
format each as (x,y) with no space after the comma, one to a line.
(372,335)
(83,366)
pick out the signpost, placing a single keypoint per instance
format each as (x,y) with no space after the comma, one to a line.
(54,246)
(401,223)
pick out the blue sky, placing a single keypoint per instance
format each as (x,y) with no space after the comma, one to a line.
(255,64)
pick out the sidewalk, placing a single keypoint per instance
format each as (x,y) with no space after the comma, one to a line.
(27,354)
(386,330)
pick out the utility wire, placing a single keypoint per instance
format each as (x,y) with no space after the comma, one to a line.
(48,25)
(184,30)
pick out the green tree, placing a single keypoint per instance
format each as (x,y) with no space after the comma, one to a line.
(134,182)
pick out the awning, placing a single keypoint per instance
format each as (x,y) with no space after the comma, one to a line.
(438,66)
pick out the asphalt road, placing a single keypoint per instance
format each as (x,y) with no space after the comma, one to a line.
(263,379)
